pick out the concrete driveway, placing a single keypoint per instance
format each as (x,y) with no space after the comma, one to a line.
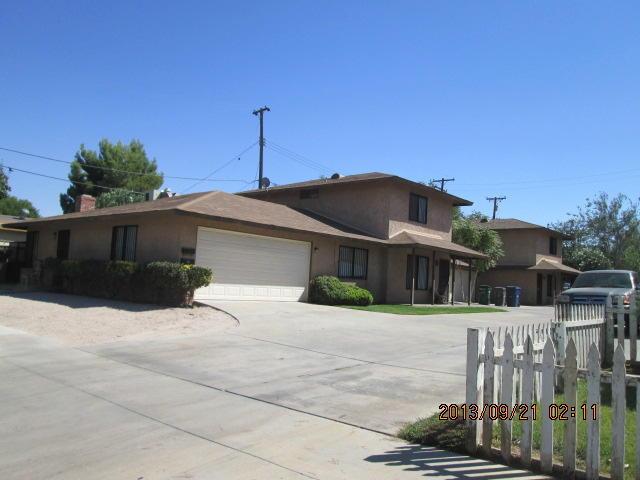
(294,391)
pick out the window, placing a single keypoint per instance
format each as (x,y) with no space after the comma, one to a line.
(417,208)
(32,249)
(309,193)
(62,252)
(123,243)
(553,246)
(353,262)
(549,285)
(421,266)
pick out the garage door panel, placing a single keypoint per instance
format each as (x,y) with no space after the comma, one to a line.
(253,267)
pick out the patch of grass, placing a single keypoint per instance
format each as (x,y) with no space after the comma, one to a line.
(606,416)
(401,309)
(450,434)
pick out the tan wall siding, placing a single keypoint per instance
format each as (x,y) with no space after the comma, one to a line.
(364,206)
(397,291)
(162,236)
(438,214)
(526,247)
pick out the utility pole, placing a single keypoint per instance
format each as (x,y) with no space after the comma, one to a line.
(260,113)
(442,181)
(495,201)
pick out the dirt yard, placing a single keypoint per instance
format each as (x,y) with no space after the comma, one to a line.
(77,320)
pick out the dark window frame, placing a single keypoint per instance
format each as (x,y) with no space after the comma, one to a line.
(553,246)
(353,262)
(63,244)
(416,265)
(31,247)
(122,254)
(414,208)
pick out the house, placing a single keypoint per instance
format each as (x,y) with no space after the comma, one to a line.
(9,235)
(11,249)
(382,232)
(532,261)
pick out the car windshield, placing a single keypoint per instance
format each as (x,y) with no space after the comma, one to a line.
(603,279)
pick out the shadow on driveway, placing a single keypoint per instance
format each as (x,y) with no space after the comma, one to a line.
(435,462)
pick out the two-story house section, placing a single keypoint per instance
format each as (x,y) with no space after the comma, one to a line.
(532,261)
(413,220)
(385,233)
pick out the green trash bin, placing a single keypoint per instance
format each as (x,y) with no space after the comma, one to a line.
(484,295)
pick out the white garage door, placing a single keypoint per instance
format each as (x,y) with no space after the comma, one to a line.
(252,267)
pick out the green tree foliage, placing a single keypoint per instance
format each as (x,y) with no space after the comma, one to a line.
(107,168)
(10,205)
(605,234)
(4,184)
(116,197)
(14,206)
(468,231)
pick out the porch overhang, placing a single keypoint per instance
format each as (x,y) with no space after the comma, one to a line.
(418,240)
(545,265)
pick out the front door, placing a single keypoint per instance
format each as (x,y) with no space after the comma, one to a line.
(539,290)
(443,276)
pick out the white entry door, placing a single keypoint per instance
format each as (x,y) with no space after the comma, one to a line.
(252,267)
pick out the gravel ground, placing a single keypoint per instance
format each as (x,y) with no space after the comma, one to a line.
(77,320)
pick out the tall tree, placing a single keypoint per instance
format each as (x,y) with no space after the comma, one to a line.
(112,166)
(468,232)
(4,184)
(10,205)
(606,234)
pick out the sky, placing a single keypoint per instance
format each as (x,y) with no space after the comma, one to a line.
(535,101)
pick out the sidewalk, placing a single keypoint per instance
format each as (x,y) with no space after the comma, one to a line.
(66,413)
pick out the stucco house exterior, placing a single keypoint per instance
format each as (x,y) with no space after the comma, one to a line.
(383,232)
(532,261)
(9,235)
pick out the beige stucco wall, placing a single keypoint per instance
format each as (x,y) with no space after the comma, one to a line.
(397,291)
(378,207)
(526,247)
(361,205)
(438,213)
(161,236)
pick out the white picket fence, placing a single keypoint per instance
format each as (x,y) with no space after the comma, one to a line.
(482,359)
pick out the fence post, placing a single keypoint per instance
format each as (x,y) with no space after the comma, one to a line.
(593,421)
(633,328)
(527,399)
(619,410)
(487,393)
(570,390)
(472,390)
(506,397)
(607,356)
(547,394)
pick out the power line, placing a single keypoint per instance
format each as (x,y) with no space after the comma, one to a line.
(118,170)
(227,163)
(14,169)
(297,157)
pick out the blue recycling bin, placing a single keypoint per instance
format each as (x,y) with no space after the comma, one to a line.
(513,296)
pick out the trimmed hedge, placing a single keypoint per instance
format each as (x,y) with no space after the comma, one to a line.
(328,290)
(163,283)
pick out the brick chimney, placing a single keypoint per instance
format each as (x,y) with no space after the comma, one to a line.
(84,203)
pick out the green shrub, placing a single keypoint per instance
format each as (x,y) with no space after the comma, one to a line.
(165,283)
(329,290)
